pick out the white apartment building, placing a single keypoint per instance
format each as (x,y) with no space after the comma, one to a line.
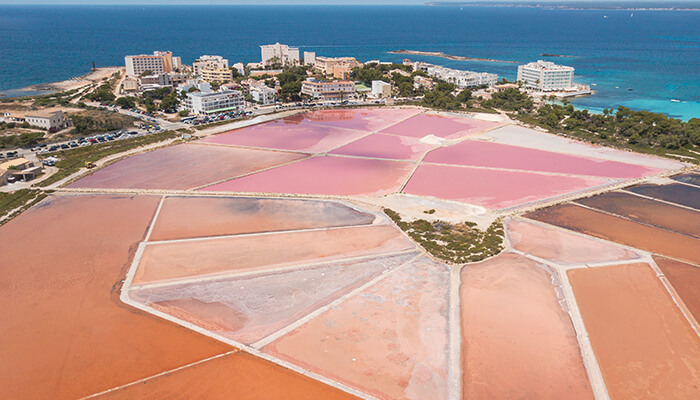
(309,57)
(240,68)
(381,89)
(546,76)
(159,62)
(263,94)
(279,52)
(203,87)
(215,102)
(49,120)
(463,79)
(327,90)
(209,62)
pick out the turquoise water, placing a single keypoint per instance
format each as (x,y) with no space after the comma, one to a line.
(654,53)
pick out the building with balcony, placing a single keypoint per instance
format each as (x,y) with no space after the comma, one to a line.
(159,62)
(279,53)
(209,62)
(214,102)
(327,90)
(545,76)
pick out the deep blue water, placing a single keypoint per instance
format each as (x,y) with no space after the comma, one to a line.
(655,53)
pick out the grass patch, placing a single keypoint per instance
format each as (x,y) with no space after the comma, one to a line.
(453,243)
(14,203)
(71,161)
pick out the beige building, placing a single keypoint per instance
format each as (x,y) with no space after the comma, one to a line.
(327,90)
(326,65)
(342,71)
(46,119)
(130,85)
(19,168)
(159,62)
(546,76)
(309,57)
(209,62)
(216,74)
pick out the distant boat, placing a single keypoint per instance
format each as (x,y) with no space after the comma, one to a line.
(631,15)
(617,87)
(605,16)
(675,100)
(594,84)
(630,89)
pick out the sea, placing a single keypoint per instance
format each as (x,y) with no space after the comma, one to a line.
(641,59)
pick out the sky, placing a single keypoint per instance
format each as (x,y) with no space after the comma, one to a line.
(271,2)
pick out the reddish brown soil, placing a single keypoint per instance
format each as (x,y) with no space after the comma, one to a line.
(234,376)
(663,215)
(620,230)
(518,342)
(65,333)
(645,347)
(685,279)
(187,217)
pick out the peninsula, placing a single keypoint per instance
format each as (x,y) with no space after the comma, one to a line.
(447,56)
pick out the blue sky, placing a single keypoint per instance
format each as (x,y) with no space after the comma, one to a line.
(167,2)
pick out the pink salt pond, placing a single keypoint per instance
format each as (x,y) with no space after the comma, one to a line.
(493,189)
(331,175)
(386,146)
(562,247)
(448,128)
(289,134)
(184,167)
(370,120)
(496,155)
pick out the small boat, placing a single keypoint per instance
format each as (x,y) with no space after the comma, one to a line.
(617,87)
(675,100)
(605,16)
(594,84)
(629,89)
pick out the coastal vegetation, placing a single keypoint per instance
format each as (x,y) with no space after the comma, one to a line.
(14,203)
(641,131)
(26,139)
(71,161)
(90,122)
(453,243)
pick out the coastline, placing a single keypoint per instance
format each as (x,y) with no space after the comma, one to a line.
(78,82)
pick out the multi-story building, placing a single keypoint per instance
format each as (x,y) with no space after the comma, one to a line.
(209,62)
(422,81)
(381,89)
(326,65)
(49,120)
(342,71)
(214,102)
(546,76)
(159,62)
(263,94)
(327,90)
(309,57)
(216,74)
(280,53)
(463,79)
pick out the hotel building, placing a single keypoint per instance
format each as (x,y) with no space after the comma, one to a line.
(281,53)
(215,102)
(546,76)
(209,62)
(159,62)
(216,74)
(327,90)
(327,65)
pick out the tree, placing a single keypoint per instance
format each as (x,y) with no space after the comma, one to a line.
(126,102)
(290,91)
(464,96)
(183,113)
(146,73)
